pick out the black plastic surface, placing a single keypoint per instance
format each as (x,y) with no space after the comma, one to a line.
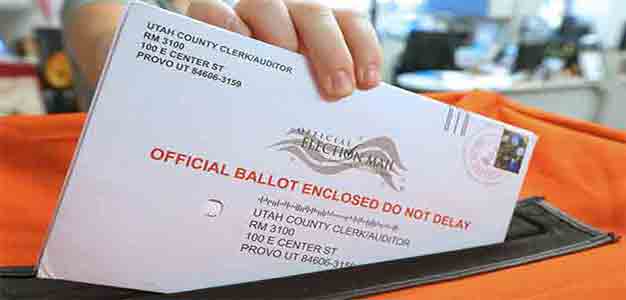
(538,231)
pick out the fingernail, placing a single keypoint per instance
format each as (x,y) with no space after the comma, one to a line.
(371,76)
(340,84)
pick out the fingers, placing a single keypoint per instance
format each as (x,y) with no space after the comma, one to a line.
(269,21)
(364,47)
(323,43)
(341,46)
(217,13)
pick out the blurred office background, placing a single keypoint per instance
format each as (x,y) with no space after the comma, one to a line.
(562,56)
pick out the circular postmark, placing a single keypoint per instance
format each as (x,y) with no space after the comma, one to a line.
(480,155)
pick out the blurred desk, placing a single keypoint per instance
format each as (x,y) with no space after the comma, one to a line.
(452,81)
(570,96)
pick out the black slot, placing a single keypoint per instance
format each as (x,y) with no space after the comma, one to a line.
(538,231)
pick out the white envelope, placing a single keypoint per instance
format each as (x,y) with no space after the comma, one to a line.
(209,159)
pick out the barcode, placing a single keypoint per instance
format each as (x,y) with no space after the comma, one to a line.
(456,121)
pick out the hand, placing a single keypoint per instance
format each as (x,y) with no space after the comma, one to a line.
(340,44)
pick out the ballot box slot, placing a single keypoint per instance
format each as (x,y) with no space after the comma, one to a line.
(538,231)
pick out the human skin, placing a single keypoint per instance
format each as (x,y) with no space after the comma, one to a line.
(341,45)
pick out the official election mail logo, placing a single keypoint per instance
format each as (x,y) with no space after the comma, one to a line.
(329,154)
(494,153)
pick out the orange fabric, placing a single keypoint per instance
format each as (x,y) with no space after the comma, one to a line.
(579,166)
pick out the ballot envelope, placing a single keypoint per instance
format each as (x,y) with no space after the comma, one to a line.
(209,158)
